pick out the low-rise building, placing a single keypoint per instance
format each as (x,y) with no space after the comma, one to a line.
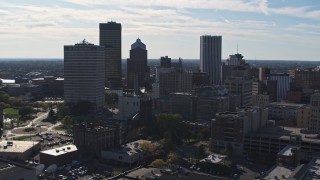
(290,113)
(18,150)
(228,129)
(60,156)
(266,143)
(128,154)
(91,139)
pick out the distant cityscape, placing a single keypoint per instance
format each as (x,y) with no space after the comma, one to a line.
(94,115)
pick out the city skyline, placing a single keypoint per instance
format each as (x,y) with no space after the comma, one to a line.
(263,29)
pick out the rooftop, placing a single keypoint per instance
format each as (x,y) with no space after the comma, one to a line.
(279,172)
(16,146)
(313,169)
(288,150)
(214,158)
(61,150)
(131,148)
(286,105)
(284,133)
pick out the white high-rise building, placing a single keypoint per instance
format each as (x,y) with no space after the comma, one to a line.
(84,74)
(210,57)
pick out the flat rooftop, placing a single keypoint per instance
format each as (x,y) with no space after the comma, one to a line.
(17,146)
(279,172)
(313,168)
(287,151)
(284,133)
(61,150)
(214,158)
(286,105)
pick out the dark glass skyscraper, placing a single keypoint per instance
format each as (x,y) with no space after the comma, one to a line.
(210,57)
(110,38)
(137,65)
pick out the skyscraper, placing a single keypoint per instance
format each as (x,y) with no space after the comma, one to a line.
(314,122)
(137,65)
(110,38)
(210,57)
(84,74)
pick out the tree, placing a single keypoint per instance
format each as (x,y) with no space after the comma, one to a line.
(63,110)
(24,111)
(158,163)
(67,122)
(172,157)
(51,113)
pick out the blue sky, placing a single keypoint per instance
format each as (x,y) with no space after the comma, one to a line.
(263,29)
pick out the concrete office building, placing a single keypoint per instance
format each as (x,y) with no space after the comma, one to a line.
(91,139)
(60,156)
(165,62)
(110,38)
(131,105)
(18,150)
(210,57)
(228,129)
(241,87)
(207,101)
(314,123)
(235,60)
(260,100)
(264,73)
(289,113)
(137,65)
(174,82)
(84,74)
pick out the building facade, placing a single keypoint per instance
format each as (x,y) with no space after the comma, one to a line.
(91,139)
(84,74)
(210,57)
(283,85)
(314,123)
(228,129)
(241,87)
(137,65)
(110,38)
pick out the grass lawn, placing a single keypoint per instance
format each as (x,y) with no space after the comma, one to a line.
(60,128)
(11,111)
(22,138)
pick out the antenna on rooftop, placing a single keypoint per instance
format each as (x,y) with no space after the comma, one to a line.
(237,48)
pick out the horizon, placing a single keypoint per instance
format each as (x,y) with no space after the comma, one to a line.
(262,29)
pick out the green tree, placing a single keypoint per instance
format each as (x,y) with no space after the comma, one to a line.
(63,110)
(172,157)
(51,113)
(24,111)
(67,122)
(158,163)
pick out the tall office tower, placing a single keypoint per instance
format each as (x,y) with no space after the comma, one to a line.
(263,73)
(84,74)
(110,38)
(314,122)
(137,65)
(242,87)
(165,62)
(235,60)
(210,57)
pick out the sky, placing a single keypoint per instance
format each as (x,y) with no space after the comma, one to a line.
(261,29)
